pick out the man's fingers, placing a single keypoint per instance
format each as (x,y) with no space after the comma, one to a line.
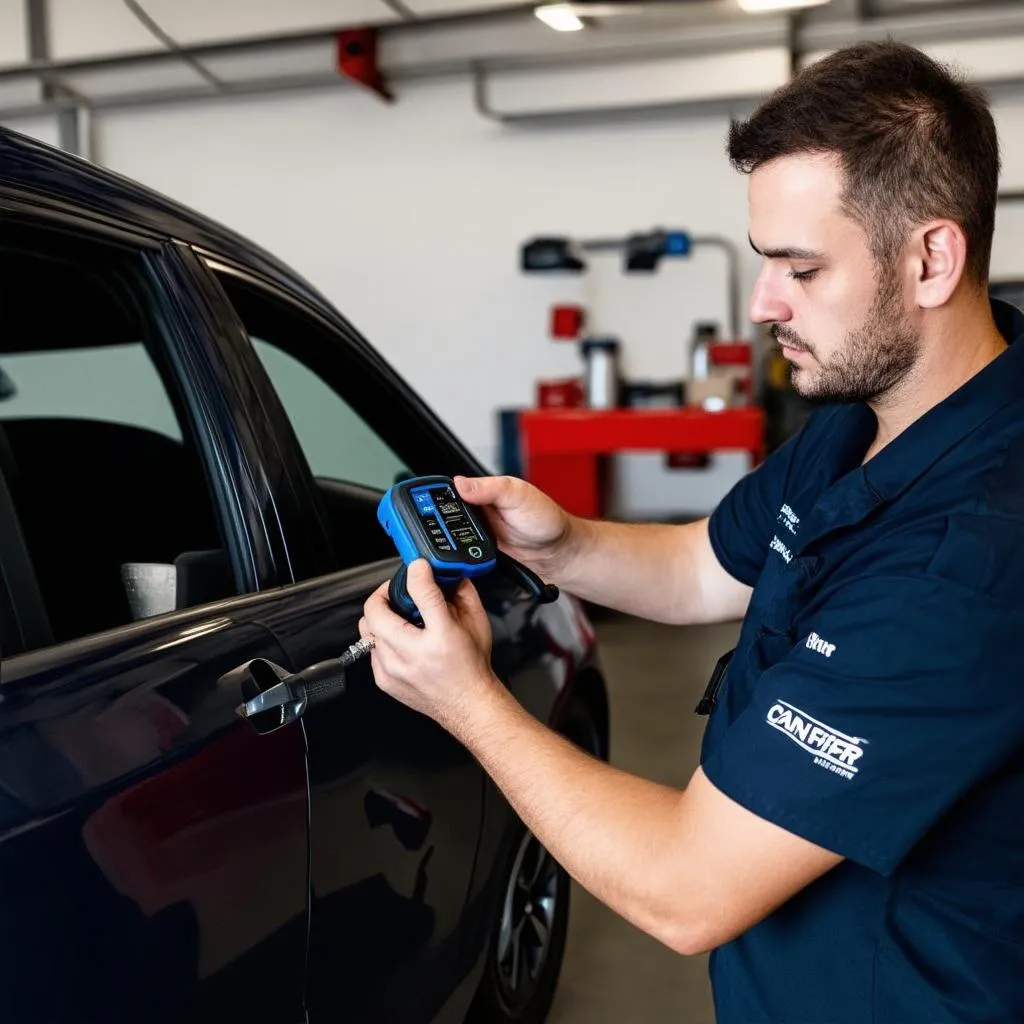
(378,618)
(425,592)
(378,601)
(467,600)
(380,595)
(473,616)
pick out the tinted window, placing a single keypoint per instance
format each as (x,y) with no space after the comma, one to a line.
(70,383)
(336,441)
(354,432)
(107,487)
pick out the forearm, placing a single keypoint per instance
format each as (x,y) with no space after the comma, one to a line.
(694,869)
(616,834)
(650,570)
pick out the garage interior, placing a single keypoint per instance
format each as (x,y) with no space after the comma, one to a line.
(526,208)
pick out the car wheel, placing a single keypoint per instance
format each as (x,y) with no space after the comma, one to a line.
(525,955)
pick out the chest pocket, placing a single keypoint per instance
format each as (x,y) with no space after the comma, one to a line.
(767,636)
(775,607)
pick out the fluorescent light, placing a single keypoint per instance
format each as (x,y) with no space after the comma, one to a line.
(560,17)
(757,6)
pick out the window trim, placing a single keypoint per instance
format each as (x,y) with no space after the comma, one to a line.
(233,468)
(360,460)
(381,375)
(306,546)
(300,504)
(303,521)
(30,211)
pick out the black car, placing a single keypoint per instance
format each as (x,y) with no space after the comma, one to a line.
(193,444)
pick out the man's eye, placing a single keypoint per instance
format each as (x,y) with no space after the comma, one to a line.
(803,275)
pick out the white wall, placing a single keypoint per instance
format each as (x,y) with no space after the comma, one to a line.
(42,128)
(1008,244)
(410,217)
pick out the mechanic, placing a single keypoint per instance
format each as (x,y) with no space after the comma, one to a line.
(852,846)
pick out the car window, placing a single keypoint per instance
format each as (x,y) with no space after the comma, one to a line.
(355,424)
(70,383)
(104,487)
(337,442)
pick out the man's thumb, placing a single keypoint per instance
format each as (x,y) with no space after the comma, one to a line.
(425,592)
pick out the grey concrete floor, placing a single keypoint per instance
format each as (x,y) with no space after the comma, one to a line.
(613,972)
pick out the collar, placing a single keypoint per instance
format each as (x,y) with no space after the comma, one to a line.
(901,462)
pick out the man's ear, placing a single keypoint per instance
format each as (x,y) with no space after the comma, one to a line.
(938,251)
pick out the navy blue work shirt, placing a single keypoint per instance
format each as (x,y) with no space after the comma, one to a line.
(875,706)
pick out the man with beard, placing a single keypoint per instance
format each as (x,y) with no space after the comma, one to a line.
(852,845)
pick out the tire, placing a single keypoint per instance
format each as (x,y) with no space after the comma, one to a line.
(527,945)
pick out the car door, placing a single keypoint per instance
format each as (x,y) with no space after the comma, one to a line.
(395,801)
(153,847)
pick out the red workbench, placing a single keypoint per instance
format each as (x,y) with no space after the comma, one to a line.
(564,450)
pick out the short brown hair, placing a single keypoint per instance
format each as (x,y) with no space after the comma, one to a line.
(913,139)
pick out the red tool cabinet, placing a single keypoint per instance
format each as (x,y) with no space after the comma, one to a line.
(564,451)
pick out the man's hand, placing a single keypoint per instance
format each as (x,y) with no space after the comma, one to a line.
(525,522)
(678,865)
(656,571)
(442,670)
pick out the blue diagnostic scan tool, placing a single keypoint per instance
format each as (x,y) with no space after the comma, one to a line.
(426,518)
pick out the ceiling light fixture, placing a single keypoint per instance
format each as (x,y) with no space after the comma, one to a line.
(760,6)
(560,17)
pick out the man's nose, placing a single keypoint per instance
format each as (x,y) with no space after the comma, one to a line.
(766,305)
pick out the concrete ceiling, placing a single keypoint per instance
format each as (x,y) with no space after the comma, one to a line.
(132,47)
(90,29)
(81,29)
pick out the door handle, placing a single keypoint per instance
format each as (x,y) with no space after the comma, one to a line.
(273,697)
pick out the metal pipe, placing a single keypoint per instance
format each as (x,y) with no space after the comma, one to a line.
(667,108)
(74,123)
(801,37)
(171,44)
(732,257)
(602,244)
(37,32)
(948,24)
(735,298)
(255,87)
(277,41)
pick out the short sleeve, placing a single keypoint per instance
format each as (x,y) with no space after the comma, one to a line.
(898,697)
(742,525)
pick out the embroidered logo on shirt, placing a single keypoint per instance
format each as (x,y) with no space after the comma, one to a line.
(789,519)
(821,645)
(831,749)
(777,545)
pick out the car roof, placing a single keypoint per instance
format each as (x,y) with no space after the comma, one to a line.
(41,170)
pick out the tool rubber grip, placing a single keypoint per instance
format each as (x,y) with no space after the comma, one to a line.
(399,599)
(322,682)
